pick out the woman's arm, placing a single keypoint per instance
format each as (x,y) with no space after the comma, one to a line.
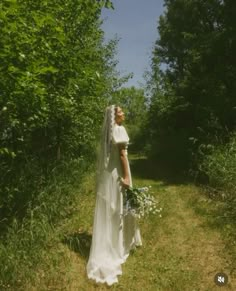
(124,164)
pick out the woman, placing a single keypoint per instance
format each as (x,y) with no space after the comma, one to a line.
(114,234)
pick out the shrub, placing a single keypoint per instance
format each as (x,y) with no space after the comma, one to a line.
(220,167)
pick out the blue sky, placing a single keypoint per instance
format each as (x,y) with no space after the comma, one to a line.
(135,23)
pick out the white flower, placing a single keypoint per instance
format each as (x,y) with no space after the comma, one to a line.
(139,202)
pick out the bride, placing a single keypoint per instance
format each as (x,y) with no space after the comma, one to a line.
(114,234)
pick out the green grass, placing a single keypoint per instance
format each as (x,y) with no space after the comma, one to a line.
(182,250)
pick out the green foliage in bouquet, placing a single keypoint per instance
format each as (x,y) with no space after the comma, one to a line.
(139,202)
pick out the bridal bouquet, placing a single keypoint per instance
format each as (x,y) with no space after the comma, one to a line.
(139,202)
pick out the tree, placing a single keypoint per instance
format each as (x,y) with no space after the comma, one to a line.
(194,96)
(54,78)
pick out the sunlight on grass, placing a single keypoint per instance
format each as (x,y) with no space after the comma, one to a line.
(180,250)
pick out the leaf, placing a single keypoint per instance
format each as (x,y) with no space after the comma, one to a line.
(109,4)
(46,70)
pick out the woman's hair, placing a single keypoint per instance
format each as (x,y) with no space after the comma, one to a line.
(116,109)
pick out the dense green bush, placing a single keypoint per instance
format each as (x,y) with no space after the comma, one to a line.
(56,73)
(220,167)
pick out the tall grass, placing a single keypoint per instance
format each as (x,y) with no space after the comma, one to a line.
(26,239)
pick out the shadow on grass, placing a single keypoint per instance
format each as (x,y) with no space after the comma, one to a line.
(143,168)
(79,242)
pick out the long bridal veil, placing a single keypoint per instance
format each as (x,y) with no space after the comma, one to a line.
(106,138)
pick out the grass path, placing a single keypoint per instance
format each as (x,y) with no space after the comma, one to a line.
(182,250)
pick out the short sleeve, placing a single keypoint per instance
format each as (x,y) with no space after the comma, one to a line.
(120,135)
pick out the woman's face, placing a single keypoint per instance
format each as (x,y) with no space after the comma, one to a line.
(120,116)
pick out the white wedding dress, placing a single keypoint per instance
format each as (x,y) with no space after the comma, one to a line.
(114,235)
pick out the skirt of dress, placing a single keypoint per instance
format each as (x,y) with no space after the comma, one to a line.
(114,235)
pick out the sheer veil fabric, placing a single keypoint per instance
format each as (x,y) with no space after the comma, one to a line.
(114,235)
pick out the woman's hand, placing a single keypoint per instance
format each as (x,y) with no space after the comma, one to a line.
(125,182)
